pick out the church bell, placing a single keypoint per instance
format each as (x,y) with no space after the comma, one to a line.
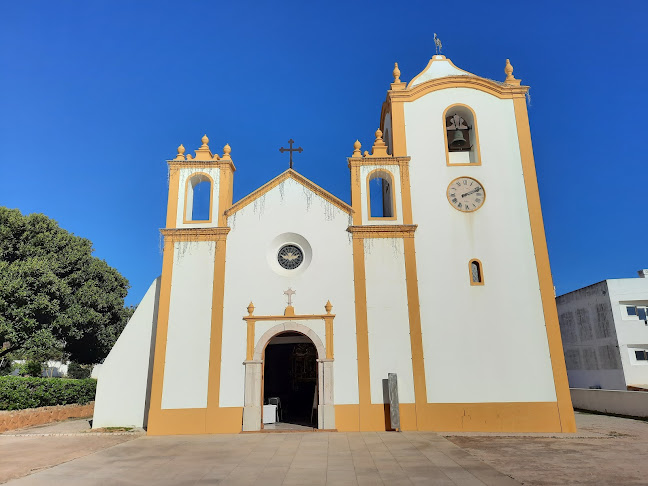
(458,139)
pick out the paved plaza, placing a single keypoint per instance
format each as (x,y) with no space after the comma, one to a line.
(607,450)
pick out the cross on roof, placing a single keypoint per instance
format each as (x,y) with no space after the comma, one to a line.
(291,150)
(290,292)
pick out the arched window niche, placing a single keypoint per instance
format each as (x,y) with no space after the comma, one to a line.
(461,136)
(381,202)
(198,198)
(476,272)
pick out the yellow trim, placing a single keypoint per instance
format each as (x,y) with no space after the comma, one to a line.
(399,139)
(155,420)
(481,272)
(289,174)
(328,323)
(216,336)
(429,64)
(491,417)
(191,176)
(184,421)
(393,191)
(195,234)
(289,317)
(172,202)
(201,164)
(362,330)
(356,200)
(416,333)
(406,195)
(445,137)
(461,210)
(566,412)
(249,356)
(383,231)
(225,193)
(375,417)
(502,91)
(377,161)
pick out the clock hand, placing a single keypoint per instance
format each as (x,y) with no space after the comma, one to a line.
(471,192)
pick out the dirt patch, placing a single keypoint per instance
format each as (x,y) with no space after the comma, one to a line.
(616,457)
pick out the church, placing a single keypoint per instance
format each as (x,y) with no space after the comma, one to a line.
(293,301)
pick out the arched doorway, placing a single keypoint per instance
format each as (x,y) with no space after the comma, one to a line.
(290,377)
(254,382)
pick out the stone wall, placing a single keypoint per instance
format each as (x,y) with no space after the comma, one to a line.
(17,419)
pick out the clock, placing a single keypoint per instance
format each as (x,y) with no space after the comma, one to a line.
(466,194)
(290,257)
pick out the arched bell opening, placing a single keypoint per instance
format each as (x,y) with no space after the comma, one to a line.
(290,381)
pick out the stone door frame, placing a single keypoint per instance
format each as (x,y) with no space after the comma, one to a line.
(254,382)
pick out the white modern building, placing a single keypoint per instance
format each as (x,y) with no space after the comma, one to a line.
(604,330)
(292,296)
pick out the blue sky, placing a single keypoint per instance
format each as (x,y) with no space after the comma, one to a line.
(96,95)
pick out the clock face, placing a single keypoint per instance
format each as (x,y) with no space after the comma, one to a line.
(290,257)
(466,194)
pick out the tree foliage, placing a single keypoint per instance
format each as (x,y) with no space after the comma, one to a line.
(54,295)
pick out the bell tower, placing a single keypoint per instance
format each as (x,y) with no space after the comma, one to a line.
(206,173)
(190,311)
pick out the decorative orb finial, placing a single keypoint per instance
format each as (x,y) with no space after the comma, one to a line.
(379,134)
(181,150)
(356,148)
(227,149)
(396,73)
(328,306)
(250,308)
(205,140)
(509,71)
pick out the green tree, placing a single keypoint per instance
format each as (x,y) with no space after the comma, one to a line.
(54,295)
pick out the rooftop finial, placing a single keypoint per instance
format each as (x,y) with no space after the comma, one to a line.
(205,140)
(181,151)
(356,149)
(437,43)
(396,73)
(379,134)
(508,69)
(226,151)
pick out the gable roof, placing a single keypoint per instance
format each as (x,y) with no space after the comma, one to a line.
(438,67)
(289,174)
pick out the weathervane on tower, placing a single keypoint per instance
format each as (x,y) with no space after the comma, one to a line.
(291,150)
(437,43)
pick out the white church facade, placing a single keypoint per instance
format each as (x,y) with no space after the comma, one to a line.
(292,294)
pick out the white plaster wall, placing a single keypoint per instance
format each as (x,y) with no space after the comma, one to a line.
(249,276)
(439,68)
(630,333)
(481,343)
(124,382)
(186,367)
(394,170)
(388,318)
(214,173)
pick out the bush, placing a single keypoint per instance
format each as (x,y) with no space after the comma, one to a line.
(17,392)
(75,370)
(33,368)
